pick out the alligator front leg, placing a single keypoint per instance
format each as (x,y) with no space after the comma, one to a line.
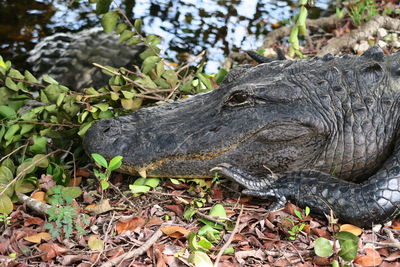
(375,201)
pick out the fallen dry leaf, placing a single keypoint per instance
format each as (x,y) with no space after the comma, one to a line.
(83,173)
(99,208)
(351,229)
(175,231)
(38,237)
(76,181)
(39,196)
(242,255)
(95,243)
(372,258)
(129,224)
(51,250)
(154,221)
(394,256)
(178,209)
(33,221)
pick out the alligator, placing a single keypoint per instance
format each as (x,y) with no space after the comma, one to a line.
(321,132)
(68,57)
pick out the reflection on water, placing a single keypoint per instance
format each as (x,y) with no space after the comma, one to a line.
(186,26)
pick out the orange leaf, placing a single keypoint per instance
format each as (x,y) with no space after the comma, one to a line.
(372,258)
(129,224)
(178,209)
(175,231)
(38,237)
(39,196)
(83,173)
(76,181)
(51,250)
(154,221)
(396,225)
(351,229)
(33,220)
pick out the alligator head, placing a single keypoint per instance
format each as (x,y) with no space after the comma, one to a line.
(284,115)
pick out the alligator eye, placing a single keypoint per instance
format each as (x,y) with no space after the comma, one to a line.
(238,98)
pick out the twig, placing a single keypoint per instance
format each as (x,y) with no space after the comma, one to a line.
(110,225)
(228,242)
(49,123)
(12,152)
(136,252)
(33,204)
(24,171)
(214,219)
(123,196)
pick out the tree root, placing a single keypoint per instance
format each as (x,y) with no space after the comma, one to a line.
(368,29)
(34,204)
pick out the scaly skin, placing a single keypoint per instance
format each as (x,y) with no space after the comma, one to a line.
(326,127)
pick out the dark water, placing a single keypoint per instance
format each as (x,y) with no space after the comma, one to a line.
(187,26)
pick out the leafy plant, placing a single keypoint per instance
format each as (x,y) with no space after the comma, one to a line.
(348,243)
(297,227)
(65,217)
(103,177)
(299,28)
(363,11)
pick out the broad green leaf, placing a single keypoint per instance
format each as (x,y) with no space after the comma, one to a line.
(72,191)
(152,182)
(106,114)
(135,189)
(229,250)
(49,79)
(125,35)
(114,96)
(11,84)
(149,63)
(160,68)
(102,6)
(26,128)
(218,210)
(131,104)
(16,74)
(151,51)
(109,21)
(189,213)
(121,27)
(25,165)
(115,163)
(24,187)
(53,91)
(60,99)
(298,214)
(9,163)
(127,94)
(6,205)
(84,127)
(104,184)
(171,77)
(205,81)
(323,247)
(8,113)
(343,236)
(221,75)
(138,25)
(335,263)
(348,250)
(99,159)
(153,40)
(11,131)
(102,106)
(134,40)
(139,181)
(43,161)
(205,244)
(30,78)
(6,175)
(200,259)
(39,145)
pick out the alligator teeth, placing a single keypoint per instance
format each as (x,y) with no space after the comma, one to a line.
(142,172)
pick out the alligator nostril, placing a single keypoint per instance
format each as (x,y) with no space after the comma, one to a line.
(106,129)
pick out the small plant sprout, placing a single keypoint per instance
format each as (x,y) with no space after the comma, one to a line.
(114,164)
(297,227)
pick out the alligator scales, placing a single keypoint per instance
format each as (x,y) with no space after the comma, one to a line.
(327,128)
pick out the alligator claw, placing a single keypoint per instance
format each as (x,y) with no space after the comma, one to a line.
(242,177)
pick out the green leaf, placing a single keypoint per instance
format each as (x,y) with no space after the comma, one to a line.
(323,247)
(43,161)
(205,244)
(127,94)
(149,63)
(39,145)
(205,81)
(15,74)
(109,21)
(171,77)
(30,78)
(152,182)
(138,25)
(49,80)
(23,186)
(229,250)
(125,35)
(95,243)
(307,211)
(121,27)
(11,131)
(60,99)
(189,213)
(72,192)
(100,160)
(115,163)
(298,214)
(26,128)
(24,165)
(102,6)
(344,236)
(218,210)
(9,163)
(84,127)
(6,175)
(134,40)
(104,184)
(348,250)
(6,205)
(200,259)
(221,75)
(139,181)
(135,189)
(335,263)
(8,113)
(11,84)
